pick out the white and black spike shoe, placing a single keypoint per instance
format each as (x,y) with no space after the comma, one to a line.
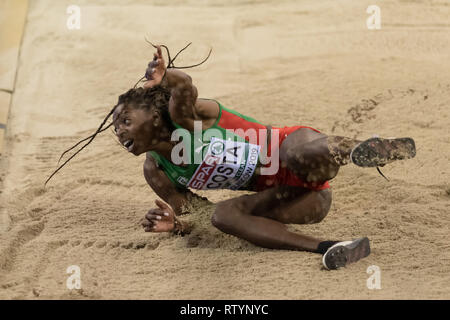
(345,252)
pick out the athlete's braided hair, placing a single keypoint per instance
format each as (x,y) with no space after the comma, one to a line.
(156,97)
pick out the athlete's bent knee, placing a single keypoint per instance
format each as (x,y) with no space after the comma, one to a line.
(323,205)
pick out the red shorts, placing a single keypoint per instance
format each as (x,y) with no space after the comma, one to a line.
(285,177)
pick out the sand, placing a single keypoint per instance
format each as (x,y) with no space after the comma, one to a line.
(282,62)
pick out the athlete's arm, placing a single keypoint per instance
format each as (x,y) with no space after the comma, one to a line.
(183,92)
(163,218)
(164,188)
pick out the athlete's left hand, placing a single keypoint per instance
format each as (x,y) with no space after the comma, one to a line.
(160,219)
(156,70)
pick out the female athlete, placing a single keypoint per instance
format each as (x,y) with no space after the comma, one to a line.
(230,148)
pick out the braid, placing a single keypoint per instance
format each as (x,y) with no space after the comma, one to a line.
(156,98)
(100,129)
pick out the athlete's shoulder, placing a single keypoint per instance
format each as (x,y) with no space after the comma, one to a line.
(206,109)
(151,161)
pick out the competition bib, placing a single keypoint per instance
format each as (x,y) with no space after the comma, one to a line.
(226,165)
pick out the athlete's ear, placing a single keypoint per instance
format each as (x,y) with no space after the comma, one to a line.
(156,118)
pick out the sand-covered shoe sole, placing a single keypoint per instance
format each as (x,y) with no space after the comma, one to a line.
(376,152)
(343,253)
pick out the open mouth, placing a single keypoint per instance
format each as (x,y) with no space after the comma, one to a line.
(129,144)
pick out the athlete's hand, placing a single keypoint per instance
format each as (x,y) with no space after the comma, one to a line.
(160,219)
(156,69)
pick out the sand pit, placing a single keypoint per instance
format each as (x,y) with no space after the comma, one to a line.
(282,62)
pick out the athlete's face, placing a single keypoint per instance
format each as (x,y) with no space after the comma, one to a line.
(137,129)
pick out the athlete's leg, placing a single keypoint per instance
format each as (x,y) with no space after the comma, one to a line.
(259,218)
(316,157)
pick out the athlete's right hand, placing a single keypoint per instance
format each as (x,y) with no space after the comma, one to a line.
(160,219)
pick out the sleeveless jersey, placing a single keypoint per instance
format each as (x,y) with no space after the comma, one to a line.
(221,157)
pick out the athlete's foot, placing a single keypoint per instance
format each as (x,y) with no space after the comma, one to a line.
(376,152)
(345,252)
